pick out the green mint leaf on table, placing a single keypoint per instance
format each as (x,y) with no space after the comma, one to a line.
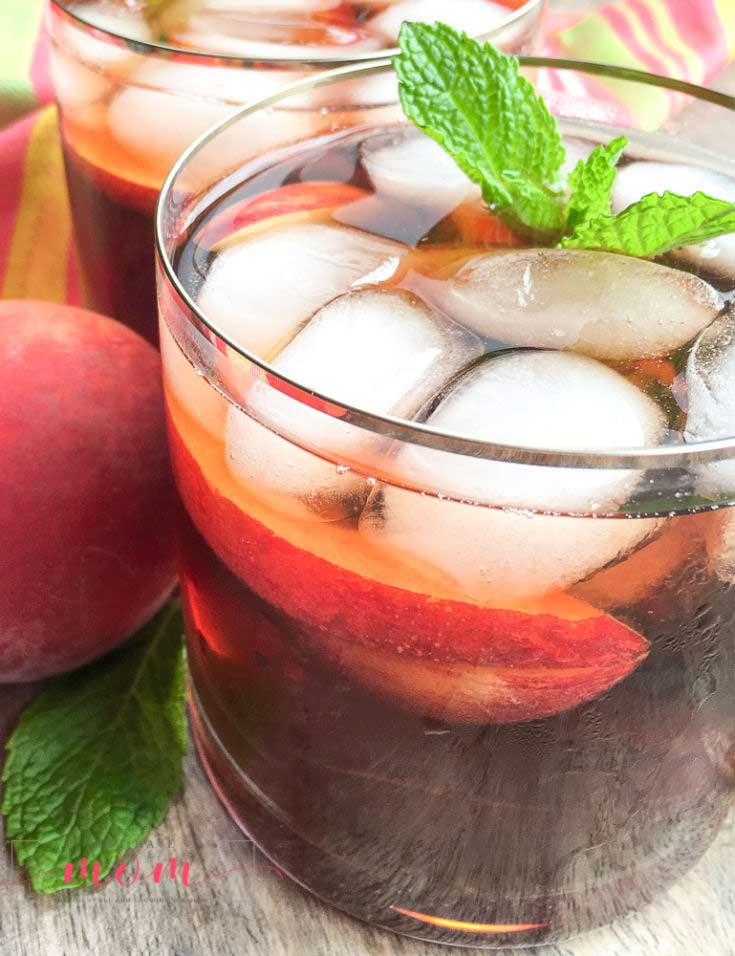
(96,759)
(591,182)
(472,100)
(656,224)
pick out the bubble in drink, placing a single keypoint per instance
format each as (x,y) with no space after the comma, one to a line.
(601,304)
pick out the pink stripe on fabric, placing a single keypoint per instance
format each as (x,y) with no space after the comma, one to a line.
(41,68)
(622,28)
(698,24)
(646,18)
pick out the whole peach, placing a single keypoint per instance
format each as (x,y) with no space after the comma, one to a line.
(86,498)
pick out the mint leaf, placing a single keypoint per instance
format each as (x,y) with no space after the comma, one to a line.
(656,224)
(96,759)
(591,182)
(471,99)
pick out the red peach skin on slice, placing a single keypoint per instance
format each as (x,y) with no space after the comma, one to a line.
(442,658)
(283,206)
(477,226)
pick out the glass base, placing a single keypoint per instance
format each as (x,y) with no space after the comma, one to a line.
(335,879)
(300,860)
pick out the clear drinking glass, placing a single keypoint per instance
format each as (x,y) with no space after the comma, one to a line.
(468,690)
(130,103)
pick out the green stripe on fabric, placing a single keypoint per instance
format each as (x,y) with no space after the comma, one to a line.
(20,23)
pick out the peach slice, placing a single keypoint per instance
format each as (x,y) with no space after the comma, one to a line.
(466,692)
(284,206)
(477,225)
(233,626)
(441,657)
(646,570)
(130,193)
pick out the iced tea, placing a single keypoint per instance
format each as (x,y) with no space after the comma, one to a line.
(459,604)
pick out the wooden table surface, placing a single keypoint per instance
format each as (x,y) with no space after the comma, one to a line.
(242,908)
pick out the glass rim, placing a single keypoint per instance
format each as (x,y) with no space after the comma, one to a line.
(643,457)
(169,50)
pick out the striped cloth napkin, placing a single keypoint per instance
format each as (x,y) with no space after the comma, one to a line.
(690,39)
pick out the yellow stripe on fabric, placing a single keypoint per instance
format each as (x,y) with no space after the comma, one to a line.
(726,12)
(39,250)
(672,39)
(649,43)
(20,24)
(594,39)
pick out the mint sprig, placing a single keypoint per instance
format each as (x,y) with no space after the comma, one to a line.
(656,224)
(96,759)
(471,99)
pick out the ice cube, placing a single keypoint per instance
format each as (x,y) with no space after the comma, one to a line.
(710,381)
(274,39)
(407,165)
(76,86)
(717,256)
(375,350)
(475,17)
(260,292)
(168,105)
(267,6)
(604,305)
(110,17)
(380,89)
(268,50)
(552,400)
